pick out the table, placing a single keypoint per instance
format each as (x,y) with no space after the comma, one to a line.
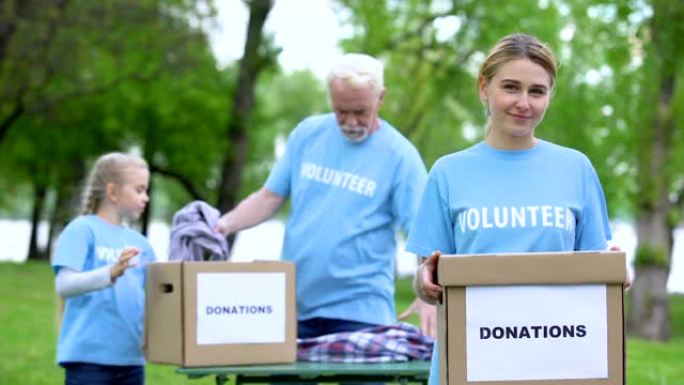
(313,372)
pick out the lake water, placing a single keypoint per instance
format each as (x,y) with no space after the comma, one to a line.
(264,242)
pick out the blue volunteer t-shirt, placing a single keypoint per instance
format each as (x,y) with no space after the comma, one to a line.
(484,200)
(347,202)
(102,326)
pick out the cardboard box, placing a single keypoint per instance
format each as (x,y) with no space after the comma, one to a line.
(220,313)
(542,318)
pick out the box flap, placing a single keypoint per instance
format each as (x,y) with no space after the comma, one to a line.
(532,268)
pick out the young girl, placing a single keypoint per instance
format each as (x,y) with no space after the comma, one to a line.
(511,170)
(100,264)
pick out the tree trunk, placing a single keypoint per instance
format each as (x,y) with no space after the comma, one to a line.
(251,64)
(650,313)
(146,215)
(24,10)
(149,151)
(184,181)
(67,201)
(58,217)
(8,23)
(39,194)
(7,121)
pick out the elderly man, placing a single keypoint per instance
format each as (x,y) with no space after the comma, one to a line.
(353,179)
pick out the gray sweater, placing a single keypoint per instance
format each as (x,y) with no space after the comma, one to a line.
(193,237)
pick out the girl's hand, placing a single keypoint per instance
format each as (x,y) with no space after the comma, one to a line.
(424,284)
(123,263)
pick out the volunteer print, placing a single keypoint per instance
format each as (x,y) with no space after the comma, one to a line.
(338,178)
(503,217)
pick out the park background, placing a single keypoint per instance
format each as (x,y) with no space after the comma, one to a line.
(163,78)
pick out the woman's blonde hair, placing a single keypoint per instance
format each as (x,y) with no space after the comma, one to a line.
(518,46)
(109,168)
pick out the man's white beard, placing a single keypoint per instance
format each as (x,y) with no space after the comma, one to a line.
(354,134)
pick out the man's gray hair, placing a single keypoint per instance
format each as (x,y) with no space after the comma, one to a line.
(359,70)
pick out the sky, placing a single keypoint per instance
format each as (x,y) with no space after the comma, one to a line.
(306,30)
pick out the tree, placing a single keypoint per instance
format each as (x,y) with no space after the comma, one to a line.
(257,56)
(659,178)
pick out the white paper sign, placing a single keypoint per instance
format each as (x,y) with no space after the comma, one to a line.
(536,333)
(234,308)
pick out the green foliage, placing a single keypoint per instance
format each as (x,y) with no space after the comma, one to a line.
(13,202)
(651,255)
(168,197)
(112,76)
(282,101)
(136,76)
(601,102)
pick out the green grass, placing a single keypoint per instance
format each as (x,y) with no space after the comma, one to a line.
(28,335)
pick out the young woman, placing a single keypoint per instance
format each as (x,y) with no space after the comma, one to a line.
(100,264)
(512,192)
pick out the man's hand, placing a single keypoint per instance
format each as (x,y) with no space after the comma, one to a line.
(427,314)
(222,225)
(256,208)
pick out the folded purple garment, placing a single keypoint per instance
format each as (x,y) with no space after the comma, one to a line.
(193,237)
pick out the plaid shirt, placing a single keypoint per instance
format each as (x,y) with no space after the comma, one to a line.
(391,343)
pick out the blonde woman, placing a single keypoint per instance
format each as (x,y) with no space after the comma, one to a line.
(512,192)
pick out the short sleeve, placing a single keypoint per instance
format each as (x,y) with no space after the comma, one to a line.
(593,228)
(73,246)
(432,229)
(409,185)
(280,179)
